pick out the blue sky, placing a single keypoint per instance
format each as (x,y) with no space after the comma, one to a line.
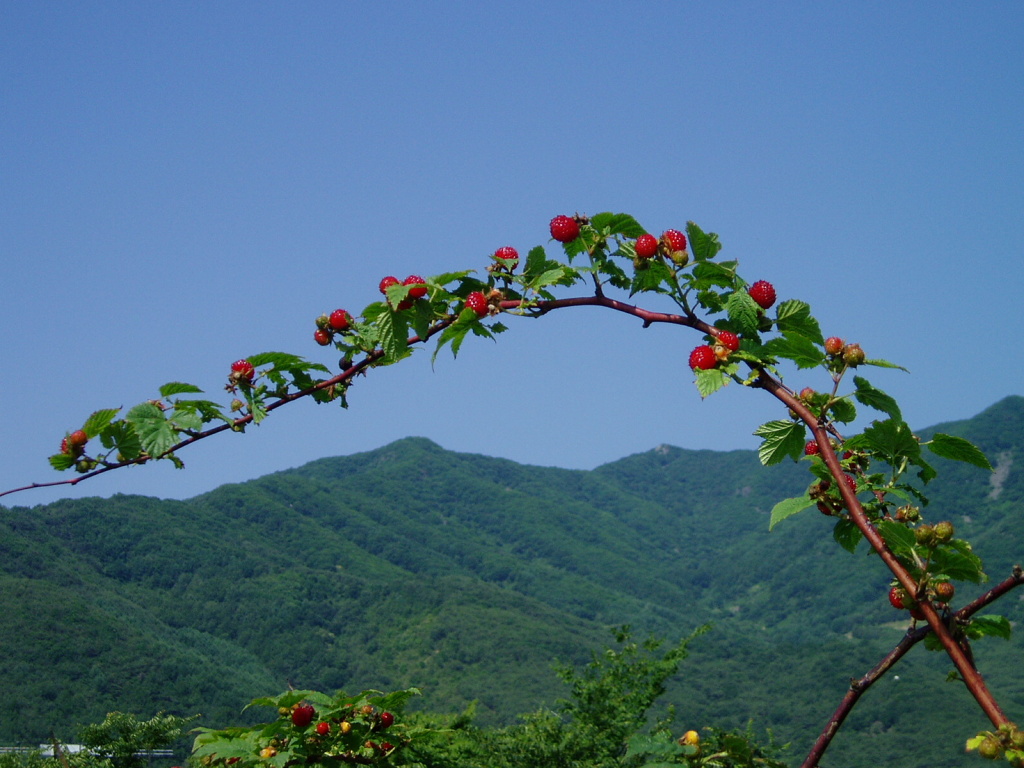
(184,184)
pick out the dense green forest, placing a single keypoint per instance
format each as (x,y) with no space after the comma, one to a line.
(469,576)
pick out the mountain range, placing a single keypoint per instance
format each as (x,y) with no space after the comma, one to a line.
(469,576)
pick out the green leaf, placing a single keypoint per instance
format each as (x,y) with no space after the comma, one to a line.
(989,626)
(122,436)
(394,330)
(788,508)
(617,224)
(876,398)
(884,364)
(710,381)
(180,388)
(957,560)
(891,440)
(187,420)
(795,316)
(958,449)
(847,534)
(156,434)
(99,421)
(651,278)
(843,410)
(743,311)
(703,245)
(712,273)
(62,461)
(781,439)
(898,537)
(800,349)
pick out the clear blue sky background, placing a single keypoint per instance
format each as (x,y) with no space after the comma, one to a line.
(183,184)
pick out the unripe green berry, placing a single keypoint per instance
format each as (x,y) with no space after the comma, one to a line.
(853,355)
(991,748)
(943,531)
(924,535)
(908,514)
(323,321)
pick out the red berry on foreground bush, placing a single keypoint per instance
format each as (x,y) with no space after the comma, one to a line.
(386,719)
(78,438)
(763,293)
(811,449)
(646,246)
(243,370)
(322,337)
(703,358)
(323,728)
(564,229)
(420,286)
(302,715)
(386,283)
(509,254)
(477,302)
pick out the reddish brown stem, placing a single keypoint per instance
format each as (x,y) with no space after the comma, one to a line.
(909,640)
(973,679)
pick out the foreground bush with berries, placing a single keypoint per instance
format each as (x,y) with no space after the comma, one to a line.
(871,483)
(313,728)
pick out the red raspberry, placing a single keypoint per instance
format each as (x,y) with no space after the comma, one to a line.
(386,719)
(729,339)
(763,293)
(386,283)
(386,746)
(896,597)
(674,239)
(421,286)
(646,246)
(509,254)
(703,357)
(323,727)
(564,229)
(303,715)
(78,438)
(851,482)
(322,337)
(243,370)
(477,302)
(811,449)
(834,345)
(64,445)
(338,320)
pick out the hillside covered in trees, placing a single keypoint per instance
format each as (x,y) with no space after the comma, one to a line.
(469,576)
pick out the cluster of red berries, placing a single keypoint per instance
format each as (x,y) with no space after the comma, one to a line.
(838,350)
(671,244)
(417,291)
(830,503)
(707,356)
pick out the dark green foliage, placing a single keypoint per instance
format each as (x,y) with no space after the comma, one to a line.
(469,576)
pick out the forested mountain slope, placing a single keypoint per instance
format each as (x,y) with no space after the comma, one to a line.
(468,576)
